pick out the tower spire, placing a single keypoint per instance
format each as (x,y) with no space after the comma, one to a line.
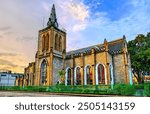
(52,20)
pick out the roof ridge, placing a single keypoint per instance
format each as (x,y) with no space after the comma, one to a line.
(117,40)
(85,48)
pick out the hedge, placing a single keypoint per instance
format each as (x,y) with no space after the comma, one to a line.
(118,89)
(147,89)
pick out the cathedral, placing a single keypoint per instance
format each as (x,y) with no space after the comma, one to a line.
(105,63)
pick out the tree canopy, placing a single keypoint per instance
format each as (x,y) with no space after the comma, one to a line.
(139,50)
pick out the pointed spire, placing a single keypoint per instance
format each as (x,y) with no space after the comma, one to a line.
(124,37)
(105,40)
(106,44)
(52,20)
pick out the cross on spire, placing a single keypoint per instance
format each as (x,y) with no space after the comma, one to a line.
(52,20)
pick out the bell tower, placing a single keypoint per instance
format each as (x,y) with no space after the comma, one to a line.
(51,51)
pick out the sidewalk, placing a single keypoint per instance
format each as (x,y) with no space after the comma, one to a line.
(46,94)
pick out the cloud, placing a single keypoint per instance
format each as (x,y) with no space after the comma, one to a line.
(78,27)
(7,33)
(6,28)
(13,61)
(85,22)
(46,6)
(78,10)
(1,36)
(135,22)
(8,54)
(6,62)
(25,38)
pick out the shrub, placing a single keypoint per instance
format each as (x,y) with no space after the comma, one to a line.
(124,89)
(147,89)
(119,89)
(139,86)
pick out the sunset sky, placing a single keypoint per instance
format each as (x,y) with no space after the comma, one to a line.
(87,22)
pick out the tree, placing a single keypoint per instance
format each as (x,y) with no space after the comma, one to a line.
(61,74)
(139,50)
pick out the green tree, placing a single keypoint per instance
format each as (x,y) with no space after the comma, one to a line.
(62,76)
(139,50)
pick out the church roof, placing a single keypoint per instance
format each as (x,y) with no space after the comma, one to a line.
(114,47)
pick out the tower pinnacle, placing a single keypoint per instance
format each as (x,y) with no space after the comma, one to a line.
(52,20)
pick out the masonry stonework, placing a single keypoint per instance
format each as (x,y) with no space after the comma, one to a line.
(105,63)
(57,66)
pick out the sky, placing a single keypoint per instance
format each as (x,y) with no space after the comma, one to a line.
(87,22)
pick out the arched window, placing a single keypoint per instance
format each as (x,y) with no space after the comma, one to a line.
(69,76)
(78,76)
(101,74)
(89,75)
(33,80)
(56,42)
(27,81)
(43,73)
(47,42)
(43,43)
(60,43)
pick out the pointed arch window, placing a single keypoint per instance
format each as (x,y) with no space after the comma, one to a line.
(101,74)
(89,75)
(43,43)
(43,73)
(69,77)
(78,76)
(60,43)
(56,42)
(47,42)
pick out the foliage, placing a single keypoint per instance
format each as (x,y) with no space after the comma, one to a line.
(147,89)
(61,74)
(80,89)
(139,50)
(119,89)
(124,89)
(139,86)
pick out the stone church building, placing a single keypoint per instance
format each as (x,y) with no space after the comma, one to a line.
(105,63)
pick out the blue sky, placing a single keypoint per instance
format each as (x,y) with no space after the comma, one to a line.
(113,8)
(87,22)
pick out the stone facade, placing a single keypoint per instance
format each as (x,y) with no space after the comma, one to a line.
(57,66)
(30,75)
(106,63)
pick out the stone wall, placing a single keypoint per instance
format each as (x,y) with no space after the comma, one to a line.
(101,58)
(78,61)
(57,65)
(110,58)
(119,68)
(88,60)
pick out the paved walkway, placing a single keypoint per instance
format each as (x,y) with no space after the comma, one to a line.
(24,94)
(46,94)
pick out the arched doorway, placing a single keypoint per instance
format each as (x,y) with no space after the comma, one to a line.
(43,73)
(88,78)
(100,74)
(77,76)
(68,76)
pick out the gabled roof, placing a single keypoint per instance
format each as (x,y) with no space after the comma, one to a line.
(114,47)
